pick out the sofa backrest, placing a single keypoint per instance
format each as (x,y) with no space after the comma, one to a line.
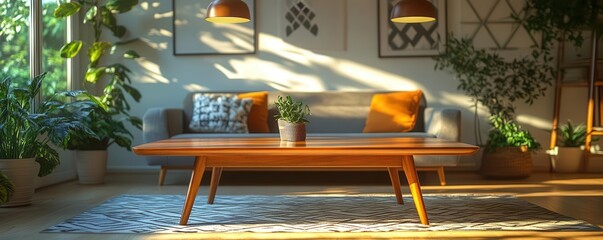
(332,112)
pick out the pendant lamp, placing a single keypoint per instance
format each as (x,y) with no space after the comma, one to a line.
(413,11)
(227,11)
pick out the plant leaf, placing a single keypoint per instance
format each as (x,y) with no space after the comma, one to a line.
(67,9)
(90,14)
(97,50)
(120,6)
(71,49)
(131,54)
(93,74)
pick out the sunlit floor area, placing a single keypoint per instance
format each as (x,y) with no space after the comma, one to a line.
(576,195)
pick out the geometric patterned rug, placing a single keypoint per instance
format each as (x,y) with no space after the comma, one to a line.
(317,213)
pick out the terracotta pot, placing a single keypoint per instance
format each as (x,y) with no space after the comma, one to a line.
(507,163)
(22,173)
(292,132)
(91,166)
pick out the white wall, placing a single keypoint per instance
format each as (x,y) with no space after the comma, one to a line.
(164,79)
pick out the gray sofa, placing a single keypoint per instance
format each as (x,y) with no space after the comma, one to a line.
(333,113)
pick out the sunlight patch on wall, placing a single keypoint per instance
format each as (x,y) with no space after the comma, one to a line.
(273,74)
(373,77)
(534,121)
(160,32)
(297,68)
(195,88)
(158,46)
(459,99)
(276,45)
(152,73)
(163,15)
(145,5)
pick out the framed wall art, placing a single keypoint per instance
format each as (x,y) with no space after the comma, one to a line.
(314,24)
(195,36)
(490,25)
(410,39)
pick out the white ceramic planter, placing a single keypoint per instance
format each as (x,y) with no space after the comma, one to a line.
(91,166)
(291,132)
(22,173)
(567,159)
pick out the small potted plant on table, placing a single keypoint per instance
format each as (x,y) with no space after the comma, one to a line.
(291,119)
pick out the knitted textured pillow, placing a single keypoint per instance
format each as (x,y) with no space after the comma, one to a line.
(220,113)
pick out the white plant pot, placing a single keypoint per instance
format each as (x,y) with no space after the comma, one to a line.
(567,159)
(291,132)
(91,166)
(22,173)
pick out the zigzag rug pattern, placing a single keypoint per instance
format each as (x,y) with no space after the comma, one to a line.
(317,213)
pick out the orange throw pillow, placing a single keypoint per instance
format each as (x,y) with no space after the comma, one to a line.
(257,120)
(393,112)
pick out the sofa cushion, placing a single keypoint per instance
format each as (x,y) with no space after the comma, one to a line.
(393,112)
(217,113)
(257,120)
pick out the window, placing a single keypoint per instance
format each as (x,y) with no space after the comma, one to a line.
(14,35)
(54,32)
(14,51)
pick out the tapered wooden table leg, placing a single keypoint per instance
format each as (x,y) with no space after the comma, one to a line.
(395,178)
(193,187)
(415,187)
(216,172)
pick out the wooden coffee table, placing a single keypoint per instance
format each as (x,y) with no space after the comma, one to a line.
(316,152)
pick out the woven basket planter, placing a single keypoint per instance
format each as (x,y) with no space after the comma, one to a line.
(507,163)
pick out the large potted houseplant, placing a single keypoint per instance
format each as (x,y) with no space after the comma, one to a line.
(493,81)
(292,119)
(508,150)
(90,152)
(567,156)
(117,87)
(27,138)
(496,83)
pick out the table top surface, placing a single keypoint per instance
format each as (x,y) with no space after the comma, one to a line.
(312,146)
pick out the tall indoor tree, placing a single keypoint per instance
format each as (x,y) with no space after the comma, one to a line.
(107,72)
(108,124)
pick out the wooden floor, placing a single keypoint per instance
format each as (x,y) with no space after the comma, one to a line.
(576,195)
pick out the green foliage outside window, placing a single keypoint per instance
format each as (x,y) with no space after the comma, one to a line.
(14,51)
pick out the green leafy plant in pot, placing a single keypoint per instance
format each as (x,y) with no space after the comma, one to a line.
(109,123)
(497,83)
(27,138)
(567,155)
(292,119)
(508,151)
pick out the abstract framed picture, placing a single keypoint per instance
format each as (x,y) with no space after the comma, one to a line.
(410,39)
(195,36)
(314,24)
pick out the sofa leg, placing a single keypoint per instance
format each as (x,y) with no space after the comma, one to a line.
(442,176)
(162,175)
(440,171)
